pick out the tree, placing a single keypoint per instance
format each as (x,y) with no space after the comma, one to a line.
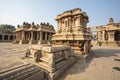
(4,28)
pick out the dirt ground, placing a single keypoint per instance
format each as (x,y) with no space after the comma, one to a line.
(104,64)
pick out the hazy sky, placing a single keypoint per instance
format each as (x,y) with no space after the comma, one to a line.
(15,12)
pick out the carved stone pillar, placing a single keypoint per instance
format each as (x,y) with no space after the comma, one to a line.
(109,36)
(23,35)
(8,37)
(70,22)
(103,35)
(40,35)
(28,35)
(51,59)
(79,21)
(99,35)
(37,35)
(31,35)
(58,24)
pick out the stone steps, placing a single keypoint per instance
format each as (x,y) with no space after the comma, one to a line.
(24,72)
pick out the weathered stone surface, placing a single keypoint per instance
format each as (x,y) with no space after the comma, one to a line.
(108,35)
(34,34)
(52,58)
(72,29)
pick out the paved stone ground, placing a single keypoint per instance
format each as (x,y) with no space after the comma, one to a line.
(10,55)
(99,67)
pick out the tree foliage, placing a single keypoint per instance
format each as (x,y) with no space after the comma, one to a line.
(4,28)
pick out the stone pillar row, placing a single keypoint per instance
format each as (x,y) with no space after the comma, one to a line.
(21,35)
(8,37)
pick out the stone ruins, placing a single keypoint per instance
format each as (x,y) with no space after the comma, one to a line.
(34,34)
(54,59)
(72,36)
(109,34)
(7,33)
(72,30)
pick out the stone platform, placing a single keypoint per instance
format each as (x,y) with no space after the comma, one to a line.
(54,59)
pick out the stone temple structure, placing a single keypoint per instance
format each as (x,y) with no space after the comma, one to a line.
(109,34)
(72,30)
(34,34)
(72,36)
(7,33)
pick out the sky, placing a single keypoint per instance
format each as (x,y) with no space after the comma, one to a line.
(16,12)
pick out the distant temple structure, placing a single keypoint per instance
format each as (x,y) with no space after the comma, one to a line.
(72,30)
(108,34)
(7,33)
(34,34)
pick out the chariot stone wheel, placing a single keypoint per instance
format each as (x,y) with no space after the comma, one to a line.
(86,47)
(89,46)
(37,55)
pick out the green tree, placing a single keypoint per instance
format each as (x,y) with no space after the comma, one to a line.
(4,28)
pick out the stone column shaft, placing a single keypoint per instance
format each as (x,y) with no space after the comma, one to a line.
(8,37)
(103,35)
(31,35)
(41,35)
(58,24)
(79,21)
(23,35)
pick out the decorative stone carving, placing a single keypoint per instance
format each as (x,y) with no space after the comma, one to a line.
(72,29)
(108,34)
(30,33)
(53,58)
